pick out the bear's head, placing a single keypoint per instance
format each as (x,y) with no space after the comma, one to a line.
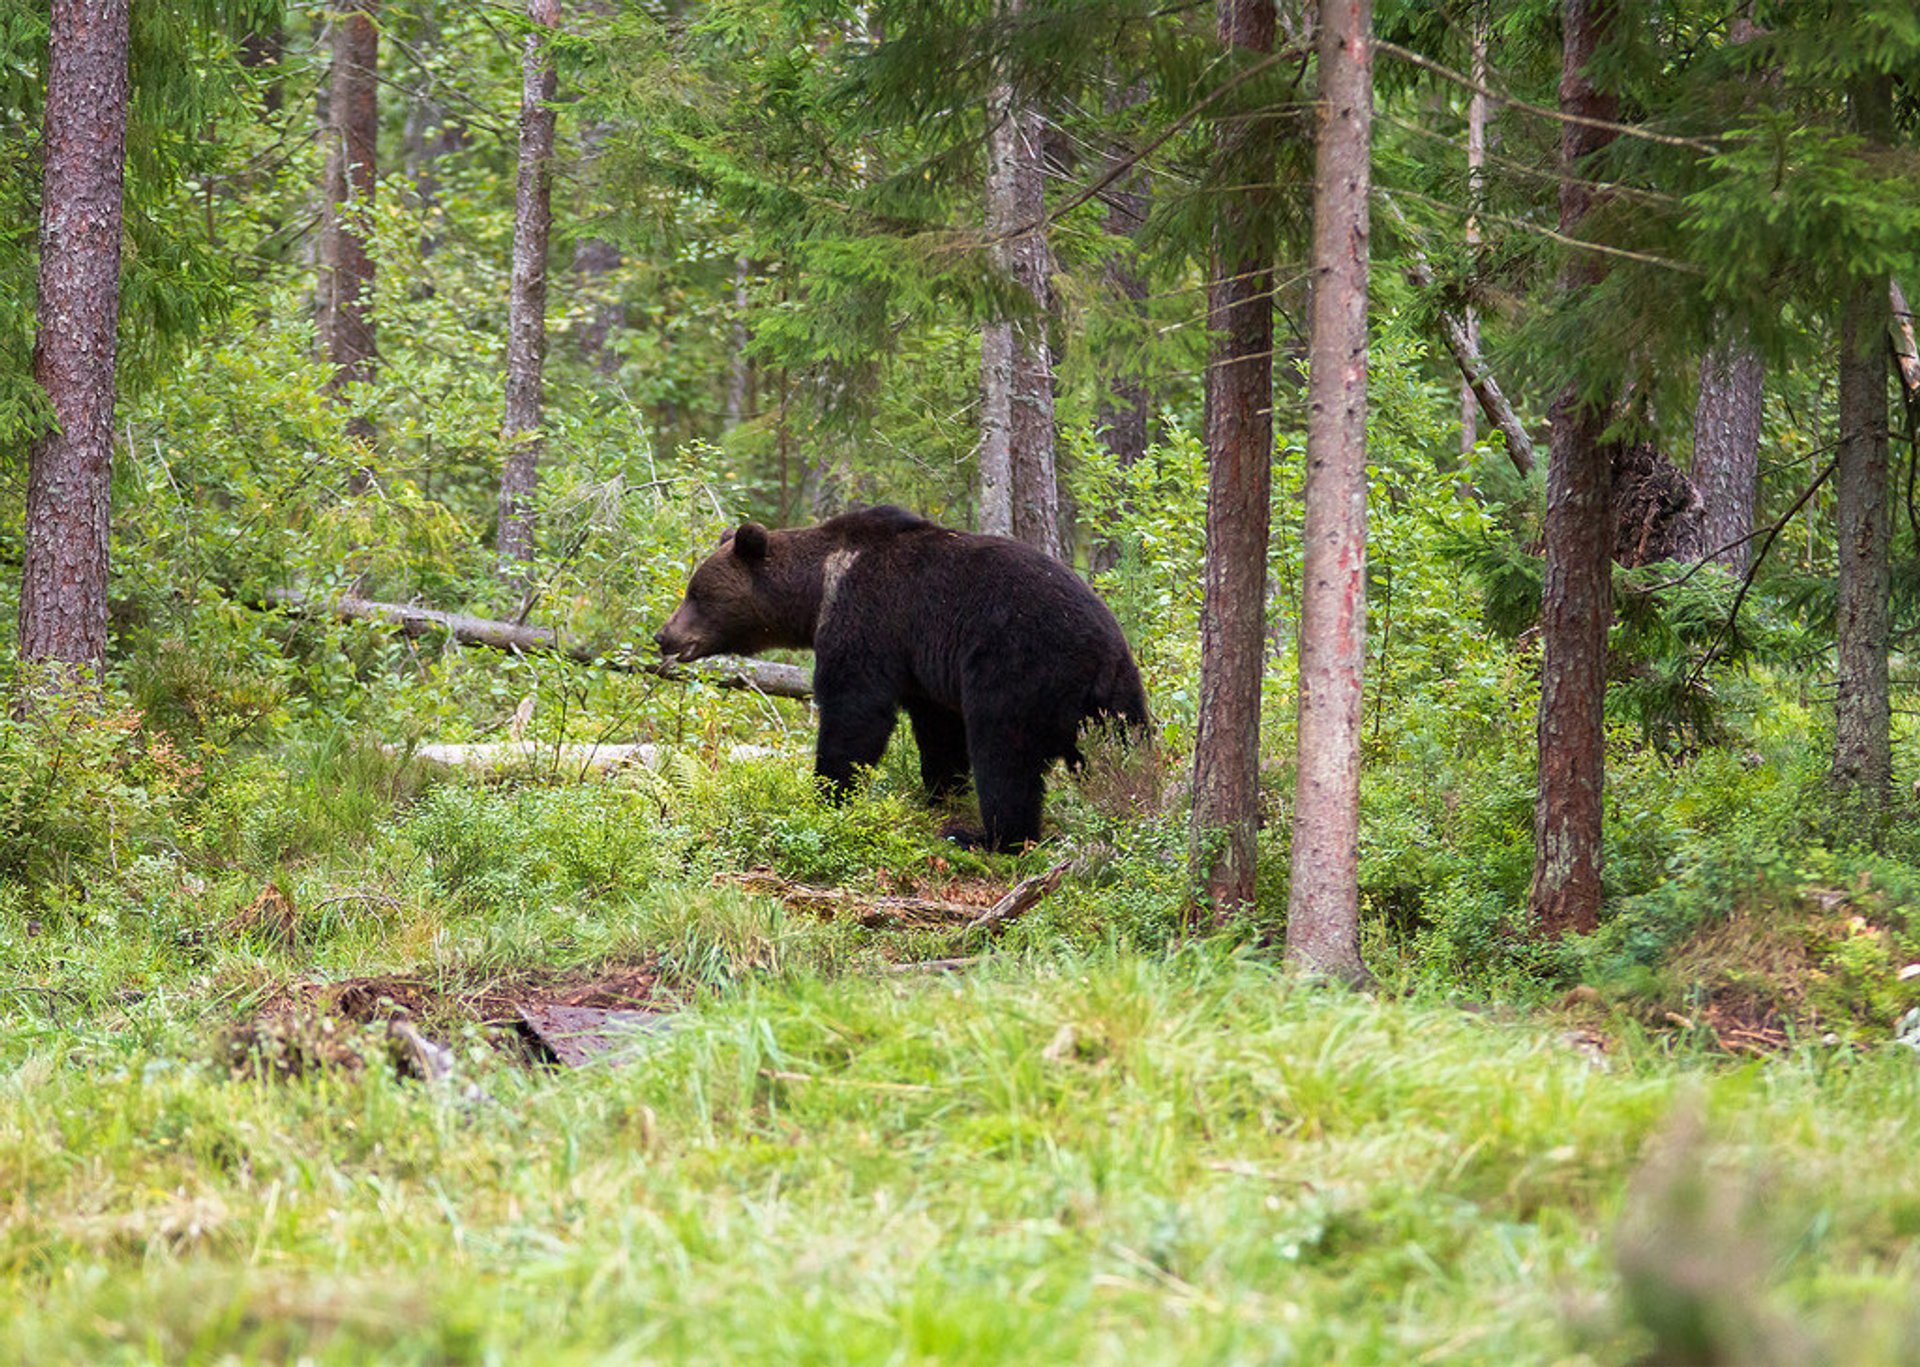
(733,605)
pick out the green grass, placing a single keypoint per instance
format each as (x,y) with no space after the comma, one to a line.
(1213,1165)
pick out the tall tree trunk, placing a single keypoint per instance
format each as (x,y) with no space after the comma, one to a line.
(1862,755)
(63,583)
(346,271)
(1726,447)
(1016,368)
(739,368)
(1323,900)
(1123,393)
(527,301)
(1476,197)
(1577,602)
(1239,420)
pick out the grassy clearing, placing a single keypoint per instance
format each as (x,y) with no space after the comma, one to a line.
(1095,1158)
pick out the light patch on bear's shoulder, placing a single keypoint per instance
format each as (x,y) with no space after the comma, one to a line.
(838,563)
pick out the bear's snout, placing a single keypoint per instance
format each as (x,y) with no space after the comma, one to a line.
(678,640)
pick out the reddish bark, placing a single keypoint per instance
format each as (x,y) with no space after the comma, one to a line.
(1323,902)
(346,270)
(1239,420)
(527,298)
(1577,601)
(63,585)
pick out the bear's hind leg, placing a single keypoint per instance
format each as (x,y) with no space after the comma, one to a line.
(942,738)
(1011,788)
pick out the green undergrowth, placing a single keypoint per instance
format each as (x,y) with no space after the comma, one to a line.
(1112,1157)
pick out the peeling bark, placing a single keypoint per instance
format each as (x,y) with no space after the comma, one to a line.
(1323,903)
(63,583)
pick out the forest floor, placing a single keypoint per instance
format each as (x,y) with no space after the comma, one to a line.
(215,1144)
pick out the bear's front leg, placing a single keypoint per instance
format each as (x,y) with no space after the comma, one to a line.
(853,736)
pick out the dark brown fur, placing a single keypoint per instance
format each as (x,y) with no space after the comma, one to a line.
(998,654)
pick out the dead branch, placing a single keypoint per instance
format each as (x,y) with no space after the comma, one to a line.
(1467,356)
(1020,899)
(774,680)
(873,912)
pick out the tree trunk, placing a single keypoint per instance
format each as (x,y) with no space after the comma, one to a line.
(1323,900)
(1577,601)
(1476,197)
(527,300)
(63,584)
(1239,421)
(1015,366)
(1726,448)
(1862,755)
(1122,418)
(739,368)
(346,271)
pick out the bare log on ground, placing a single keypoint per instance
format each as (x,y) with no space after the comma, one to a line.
(763,676)
(495,757)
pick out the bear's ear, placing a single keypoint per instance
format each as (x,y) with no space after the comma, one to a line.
(750,541)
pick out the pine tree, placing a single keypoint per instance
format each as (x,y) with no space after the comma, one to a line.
(1323,903)
(1577,602)
(1239,418)
(63,585)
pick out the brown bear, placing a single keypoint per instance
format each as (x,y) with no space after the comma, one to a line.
(999,654)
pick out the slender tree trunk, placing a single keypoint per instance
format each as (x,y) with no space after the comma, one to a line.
(1726,447)
(346,271)
(1577,602)
(1323,900)
(1862,754)
(739,368)
(1476,196)
(527,302)
(1239,419)
(63,583)
(1016,367)
(1123,393)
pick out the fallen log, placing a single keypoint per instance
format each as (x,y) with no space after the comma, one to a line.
(762,676)
(872,912)
(496,757)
